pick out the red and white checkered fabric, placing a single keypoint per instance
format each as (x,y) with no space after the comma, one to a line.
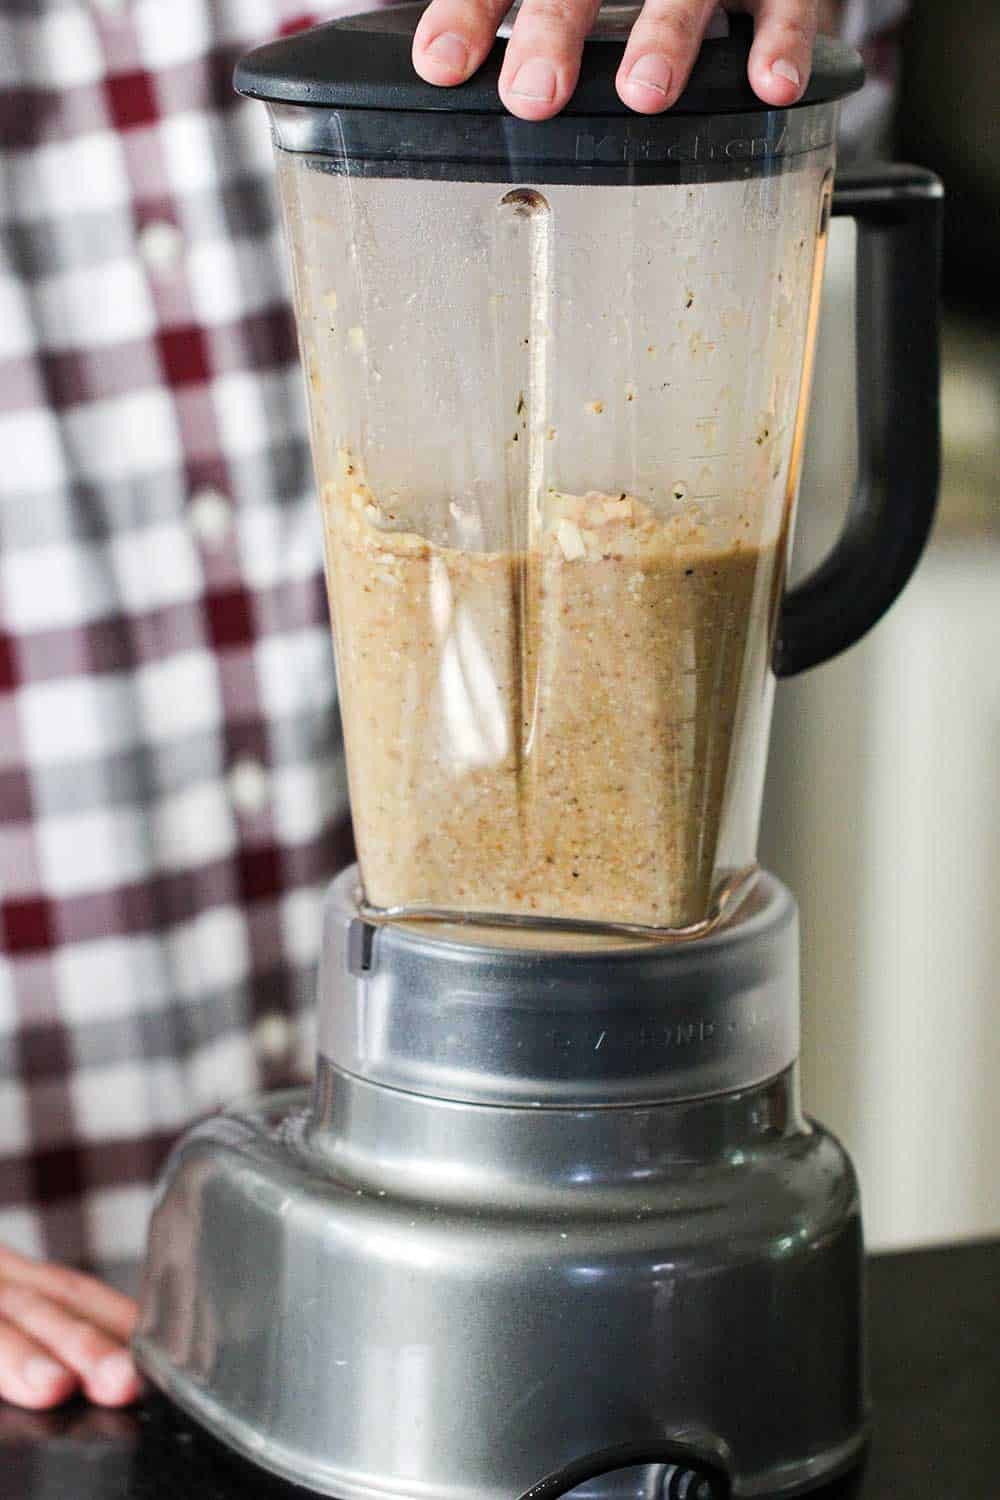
(172,790)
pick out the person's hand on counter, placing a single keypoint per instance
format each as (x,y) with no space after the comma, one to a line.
(543,56)
(61,1332)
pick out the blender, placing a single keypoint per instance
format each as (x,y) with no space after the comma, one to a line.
(551,1216)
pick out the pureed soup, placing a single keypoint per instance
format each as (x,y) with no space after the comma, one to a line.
(546,731)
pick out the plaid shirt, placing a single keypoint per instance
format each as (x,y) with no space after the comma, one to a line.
(172,790)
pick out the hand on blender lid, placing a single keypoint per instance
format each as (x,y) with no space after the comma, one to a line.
(542,63)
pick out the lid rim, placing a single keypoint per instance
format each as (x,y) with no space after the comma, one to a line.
(483,113)
(363,62)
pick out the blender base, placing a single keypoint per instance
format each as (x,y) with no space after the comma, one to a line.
(377,1293)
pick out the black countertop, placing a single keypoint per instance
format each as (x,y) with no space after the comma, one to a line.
(934,1338)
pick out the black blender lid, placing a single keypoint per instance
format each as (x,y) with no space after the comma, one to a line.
(363,62)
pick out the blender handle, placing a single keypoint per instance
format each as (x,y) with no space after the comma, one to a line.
(898,210)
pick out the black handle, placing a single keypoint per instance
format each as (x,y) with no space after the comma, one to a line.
(706,1475)
(898,211)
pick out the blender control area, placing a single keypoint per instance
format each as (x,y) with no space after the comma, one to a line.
(551,1218)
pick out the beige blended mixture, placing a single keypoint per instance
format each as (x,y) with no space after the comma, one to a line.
(549,731)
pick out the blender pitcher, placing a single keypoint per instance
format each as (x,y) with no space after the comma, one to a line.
(558,378)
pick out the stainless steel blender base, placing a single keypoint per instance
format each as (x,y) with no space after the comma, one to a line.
(386,1291)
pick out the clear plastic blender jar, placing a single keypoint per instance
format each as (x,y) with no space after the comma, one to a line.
(558,377)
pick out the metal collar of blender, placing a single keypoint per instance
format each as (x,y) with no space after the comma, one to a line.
(410,1007)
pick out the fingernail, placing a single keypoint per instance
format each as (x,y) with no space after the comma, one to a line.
(784,69)
(651,72)
(115,1371)
(41,1373)
(535,80)
(450,50)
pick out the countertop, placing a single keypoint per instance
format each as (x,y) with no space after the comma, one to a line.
(934,1338)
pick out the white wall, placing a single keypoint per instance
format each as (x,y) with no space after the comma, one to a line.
(883,814)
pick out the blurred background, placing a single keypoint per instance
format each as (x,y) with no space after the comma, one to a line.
(883,801)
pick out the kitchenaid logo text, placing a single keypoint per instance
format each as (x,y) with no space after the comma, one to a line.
(695,149)
(672,1035)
